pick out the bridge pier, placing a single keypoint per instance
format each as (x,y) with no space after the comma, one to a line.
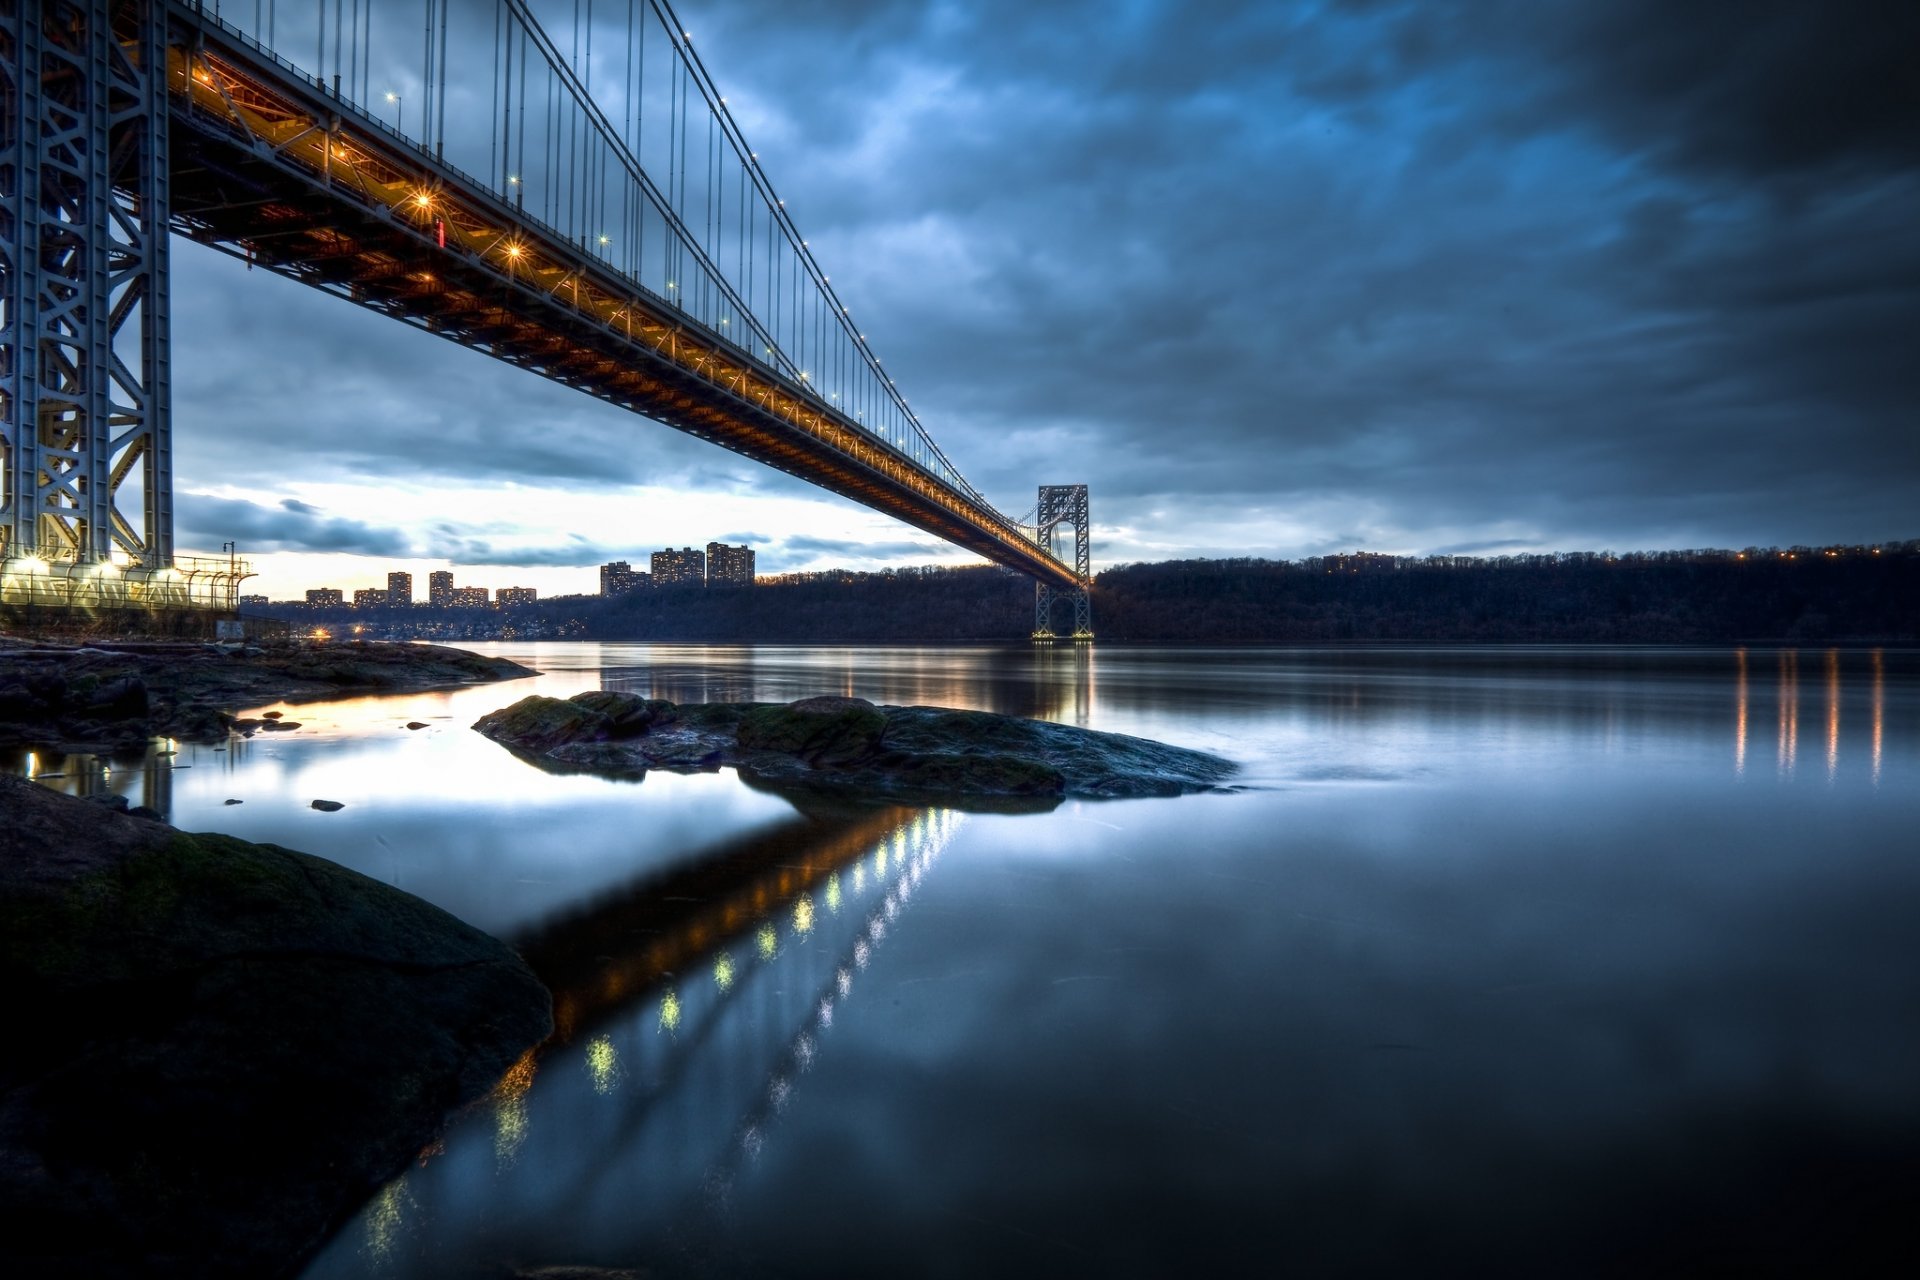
(1064,504)
(85,429)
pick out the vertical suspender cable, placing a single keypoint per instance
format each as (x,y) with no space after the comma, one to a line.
(495,126)
(440,66)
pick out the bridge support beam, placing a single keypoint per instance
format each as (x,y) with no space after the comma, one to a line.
(1064,504)
(84,395)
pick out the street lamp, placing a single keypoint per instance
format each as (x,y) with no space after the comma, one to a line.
(399,113)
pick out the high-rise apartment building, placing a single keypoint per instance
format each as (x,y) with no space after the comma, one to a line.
(510,596)
(683,568)
(399,588)
(617,578)
(326,596)
(440,588)
(368,597)
(467,597)
(729,566)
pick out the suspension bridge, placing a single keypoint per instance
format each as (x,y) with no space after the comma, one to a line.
(593,214)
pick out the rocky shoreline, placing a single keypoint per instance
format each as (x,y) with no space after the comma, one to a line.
(218,1048)
(849,744)
(111,698)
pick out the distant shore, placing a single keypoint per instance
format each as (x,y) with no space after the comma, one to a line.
(1799,595)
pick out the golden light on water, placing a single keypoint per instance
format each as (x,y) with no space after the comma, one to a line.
(723,971)
(767,941)
(1740,712)
(670,1012)
(1833,713)
(603,1064)
(803,916)
(833,893)
(1789,740)
(385,1218)
(510,1122)
(1879,709)
(510,1127)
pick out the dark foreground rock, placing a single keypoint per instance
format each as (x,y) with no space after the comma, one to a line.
(216,1050)
(849,743)
(113,697)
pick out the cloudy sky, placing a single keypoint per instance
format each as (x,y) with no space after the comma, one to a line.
(1272,278)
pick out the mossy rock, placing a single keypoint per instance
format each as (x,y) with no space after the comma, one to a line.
(232,1044)
(540,723)
(622,715)
(823,731)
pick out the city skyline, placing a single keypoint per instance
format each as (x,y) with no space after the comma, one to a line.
(736,567)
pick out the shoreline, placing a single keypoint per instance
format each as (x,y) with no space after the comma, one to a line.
(112,698)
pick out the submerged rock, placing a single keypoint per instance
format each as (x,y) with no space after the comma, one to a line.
(849,743)
(218,1049)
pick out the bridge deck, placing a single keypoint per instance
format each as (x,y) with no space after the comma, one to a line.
(269,168)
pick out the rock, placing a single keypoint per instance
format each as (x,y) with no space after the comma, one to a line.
(232,801)
(151,815)
(117,698)
(849,744)
(416,724)
(118,803)
(104,696)
(280,726)
(327,806)
(821,731)
(271,715)
(232,1044)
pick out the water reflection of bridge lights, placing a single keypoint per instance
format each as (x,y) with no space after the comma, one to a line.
(909,867)
(676,1079)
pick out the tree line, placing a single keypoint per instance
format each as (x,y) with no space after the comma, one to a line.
(1798,594)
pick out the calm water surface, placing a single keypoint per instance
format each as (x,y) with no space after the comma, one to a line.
(1530,960)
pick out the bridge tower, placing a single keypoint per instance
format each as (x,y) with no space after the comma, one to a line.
(1062,504)
(84,397)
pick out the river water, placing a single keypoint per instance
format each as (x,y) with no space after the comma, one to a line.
(1525,959)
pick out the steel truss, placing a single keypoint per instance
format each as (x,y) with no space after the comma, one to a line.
(1062,504)
(84,398)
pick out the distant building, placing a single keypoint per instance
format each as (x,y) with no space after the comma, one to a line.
(729,566)
(617,578)
(440,588)
(254,600)
(510,596)
(467,597)
(369,597)
(683,568)
(399,588)
(326,596)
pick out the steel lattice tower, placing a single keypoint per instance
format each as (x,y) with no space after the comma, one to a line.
(84,399)
(1061,504)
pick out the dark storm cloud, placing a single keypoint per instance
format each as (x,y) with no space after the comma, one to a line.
(1607,269)
(290,525)
(1771,91)
(293,525)
(1496,274)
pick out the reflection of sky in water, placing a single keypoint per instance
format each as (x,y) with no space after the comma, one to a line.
(1537,954)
